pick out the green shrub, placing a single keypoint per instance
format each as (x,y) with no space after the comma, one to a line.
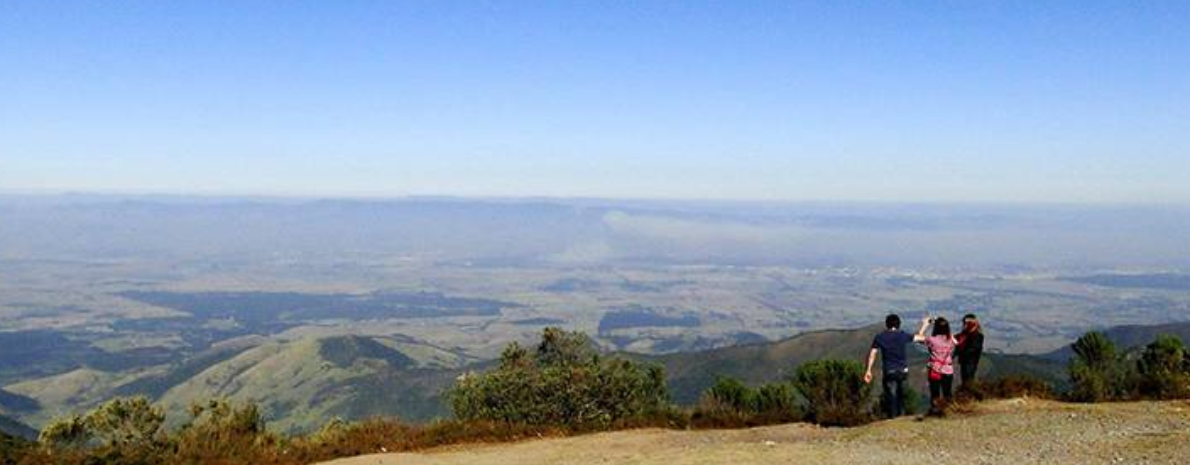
(66,433)
(729,403)
(777,403)
(1163,370)
(733,394)
(132,423)
(565,383)
(834,392)
(13,449)
(1096,372)
(222,432)
(117,432)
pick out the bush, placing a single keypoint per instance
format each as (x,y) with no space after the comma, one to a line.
(729,403)
(127,423)
(732,394)
(13,449)
(565,384)
(834,392)
(1163,371)
(118,431)
(1096,372)
(777,403)
(222,432)
(66,433)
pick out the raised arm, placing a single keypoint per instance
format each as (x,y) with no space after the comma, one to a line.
(921,332)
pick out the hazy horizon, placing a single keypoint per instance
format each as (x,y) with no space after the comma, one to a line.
(150,195)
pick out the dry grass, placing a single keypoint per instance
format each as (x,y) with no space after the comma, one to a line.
(995,432)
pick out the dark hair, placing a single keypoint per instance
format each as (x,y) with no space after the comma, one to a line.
(941,327)
(892,321)
(970,316)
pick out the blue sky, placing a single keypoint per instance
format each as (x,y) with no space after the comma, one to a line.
(1057,101)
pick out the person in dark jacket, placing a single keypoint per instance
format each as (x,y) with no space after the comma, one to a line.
(970,349)
(890,345)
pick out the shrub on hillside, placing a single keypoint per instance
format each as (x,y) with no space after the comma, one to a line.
(222,432)
(777,402)
(13,449)
(131,431)
(119,423)
(1096,372)
(119,431)
(563,383)
(731,403)
(1163,371)
(834,392)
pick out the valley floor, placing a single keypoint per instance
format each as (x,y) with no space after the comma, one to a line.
(1001,432)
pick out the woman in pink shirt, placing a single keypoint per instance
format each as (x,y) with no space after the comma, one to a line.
(940,364)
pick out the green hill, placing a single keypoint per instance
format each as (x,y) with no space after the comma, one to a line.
(304,383)
(300,384)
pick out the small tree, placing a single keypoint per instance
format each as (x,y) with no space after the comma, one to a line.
(1162,369)
(1095,371)
(834,391)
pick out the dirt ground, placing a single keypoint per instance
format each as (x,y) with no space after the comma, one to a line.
(1003,432)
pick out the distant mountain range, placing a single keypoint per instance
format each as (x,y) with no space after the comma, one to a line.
(533,230)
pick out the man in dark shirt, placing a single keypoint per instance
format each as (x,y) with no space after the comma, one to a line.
(891,344)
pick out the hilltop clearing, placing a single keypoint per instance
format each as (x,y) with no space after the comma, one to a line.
(1012,431)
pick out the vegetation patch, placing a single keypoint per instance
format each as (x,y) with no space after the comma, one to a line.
(563,383)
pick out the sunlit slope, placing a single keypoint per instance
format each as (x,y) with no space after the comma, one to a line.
(300,383)
(304,383)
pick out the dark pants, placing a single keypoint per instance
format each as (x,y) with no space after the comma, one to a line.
(941,391)
(894,393)
(967,372)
